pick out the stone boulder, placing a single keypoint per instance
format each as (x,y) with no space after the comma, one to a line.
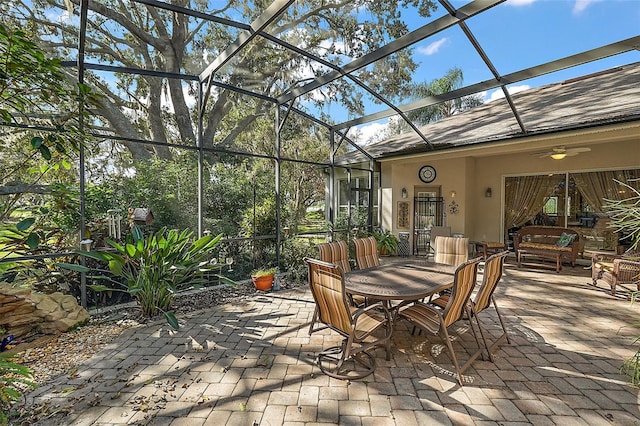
(23,313)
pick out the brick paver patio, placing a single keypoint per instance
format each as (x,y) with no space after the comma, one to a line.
(251,363)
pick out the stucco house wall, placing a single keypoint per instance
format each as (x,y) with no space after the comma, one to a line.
(470,174)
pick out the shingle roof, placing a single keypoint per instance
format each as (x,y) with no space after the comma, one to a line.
(606,97)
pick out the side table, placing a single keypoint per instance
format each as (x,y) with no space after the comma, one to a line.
(488,248)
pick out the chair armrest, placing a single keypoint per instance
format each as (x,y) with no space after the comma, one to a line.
(378,304)
(628,270)
(604,257)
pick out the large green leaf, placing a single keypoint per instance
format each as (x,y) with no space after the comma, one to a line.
(25,224)
(36,142)
(172,320)
(97,255)
(131,250)
(46,153)
(33,240)
(199,244)
(115,266)
(73,267)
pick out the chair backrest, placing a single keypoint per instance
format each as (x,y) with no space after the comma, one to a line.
(366,252)
(463,283)
(492,273)
(326,281)
(438,231)
(335,252)
(451,250)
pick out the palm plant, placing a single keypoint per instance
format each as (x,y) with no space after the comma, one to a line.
(625,218)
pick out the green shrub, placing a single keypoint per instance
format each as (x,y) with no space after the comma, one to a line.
(387,242)
(263,272)
(14,378)
(154,269)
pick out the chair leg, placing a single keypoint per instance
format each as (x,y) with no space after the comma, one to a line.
(491,348)
(453,354)
(336,362)
(313,320)
(495,305)
(484,340)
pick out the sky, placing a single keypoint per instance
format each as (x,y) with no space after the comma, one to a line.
(519,34)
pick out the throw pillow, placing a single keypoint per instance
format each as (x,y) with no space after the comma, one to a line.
(565,240)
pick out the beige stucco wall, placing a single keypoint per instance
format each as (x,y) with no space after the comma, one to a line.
(470,173)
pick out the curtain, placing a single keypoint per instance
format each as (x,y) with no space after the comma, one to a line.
(525,196)
(595,187)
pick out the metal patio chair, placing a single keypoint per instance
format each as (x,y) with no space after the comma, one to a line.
(366,252)
(350,360)
(436,321)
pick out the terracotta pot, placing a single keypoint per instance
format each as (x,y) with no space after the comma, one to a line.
(263,283)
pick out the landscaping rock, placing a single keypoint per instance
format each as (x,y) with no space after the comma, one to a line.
(24,312)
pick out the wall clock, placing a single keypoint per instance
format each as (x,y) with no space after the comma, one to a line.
(427,174)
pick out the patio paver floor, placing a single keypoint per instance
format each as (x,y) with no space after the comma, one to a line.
(251,363)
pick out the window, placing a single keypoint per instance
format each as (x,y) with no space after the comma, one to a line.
(551,206)
(359,197)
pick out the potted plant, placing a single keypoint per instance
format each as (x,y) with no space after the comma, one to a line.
(263,278)
(387,242)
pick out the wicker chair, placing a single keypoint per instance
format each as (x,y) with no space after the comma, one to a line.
(357,326)
(366,252)
(617,270)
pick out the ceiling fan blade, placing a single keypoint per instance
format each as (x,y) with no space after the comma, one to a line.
(575,151)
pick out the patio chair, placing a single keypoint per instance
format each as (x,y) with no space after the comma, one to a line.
(437,231)
(366,252)
(436,321)
(350,360)
(493,269)
(451,250)
(335,252)
(617,270)
(338,252)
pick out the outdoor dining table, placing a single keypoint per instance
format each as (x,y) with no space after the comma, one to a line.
(400,281)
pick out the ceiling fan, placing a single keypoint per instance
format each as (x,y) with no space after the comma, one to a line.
(559,152)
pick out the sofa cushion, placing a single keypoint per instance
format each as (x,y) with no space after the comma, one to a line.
(565,240)
(540,246)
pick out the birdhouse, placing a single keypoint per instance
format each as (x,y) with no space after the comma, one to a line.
(140,216)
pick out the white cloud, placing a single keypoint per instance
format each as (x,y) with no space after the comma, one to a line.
(371,133)
(433,47)
(518,3)
(581,5)
(499,94)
